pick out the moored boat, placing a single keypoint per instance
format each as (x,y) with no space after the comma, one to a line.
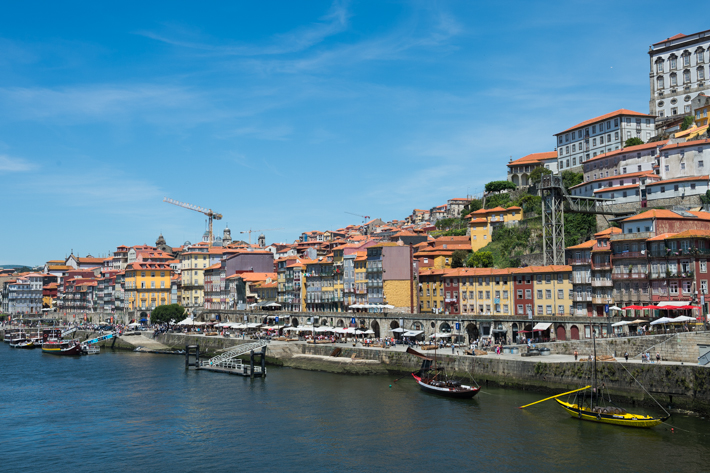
(593,407)
(434,380)
(23,344)
(62,347)
(446,387)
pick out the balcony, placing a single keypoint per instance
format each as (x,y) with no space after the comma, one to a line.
(600,300)
(626,276)
(630,296)
(668,275)
(604,265)
(574,261)
(581,297)
(628,254)
(602,283)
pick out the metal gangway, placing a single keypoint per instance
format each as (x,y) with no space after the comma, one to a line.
(69,331)
(225,359)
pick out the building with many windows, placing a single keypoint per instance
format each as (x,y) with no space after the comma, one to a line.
(603,134)
(678,73)
(147,285)
(520,169)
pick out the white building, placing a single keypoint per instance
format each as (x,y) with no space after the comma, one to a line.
(679,72)
(520,169)
(632,159)
(599,135)
(681,188)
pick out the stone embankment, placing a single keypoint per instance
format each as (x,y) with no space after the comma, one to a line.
(672,347)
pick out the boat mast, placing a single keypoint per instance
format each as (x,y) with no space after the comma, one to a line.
(594,366)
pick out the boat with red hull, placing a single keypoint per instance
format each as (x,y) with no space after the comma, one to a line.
(447,388)
(62,347)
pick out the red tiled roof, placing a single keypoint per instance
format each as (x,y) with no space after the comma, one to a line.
(600,118)
(620,176)
(678,36)
(680,179)
(534,158)
(628,149)
(585,245)
(663,213)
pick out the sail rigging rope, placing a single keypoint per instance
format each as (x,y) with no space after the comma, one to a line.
(637,381)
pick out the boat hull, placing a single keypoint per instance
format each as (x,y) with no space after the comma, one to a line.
(57,350)
(26,345)
(626,420)
(464,392)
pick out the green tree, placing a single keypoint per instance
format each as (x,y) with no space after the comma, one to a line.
(537,174)
(570,179)
(498,186)
(633,142)
(705,199)
(687,121)
(579,228)
(166,313)
(497,200)
(450,223)
(529,203)
(480,259)
(459,258)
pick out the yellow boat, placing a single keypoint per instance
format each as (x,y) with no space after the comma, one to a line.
(611,415)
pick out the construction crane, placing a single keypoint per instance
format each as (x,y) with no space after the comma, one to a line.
(364,217)
(264,230)
(211,215)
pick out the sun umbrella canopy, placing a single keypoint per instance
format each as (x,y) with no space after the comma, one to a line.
(619,324)
(662,320)
(187,321)
(615,307)
(683,318)
(633,307)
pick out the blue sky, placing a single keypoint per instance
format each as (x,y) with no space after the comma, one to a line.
(288,114)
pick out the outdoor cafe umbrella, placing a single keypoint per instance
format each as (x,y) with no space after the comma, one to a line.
(683,318)
(662,320)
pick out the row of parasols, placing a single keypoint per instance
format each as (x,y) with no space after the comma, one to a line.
(661,321)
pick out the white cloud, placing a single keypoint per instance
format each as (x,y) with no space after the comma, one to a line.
(11,164)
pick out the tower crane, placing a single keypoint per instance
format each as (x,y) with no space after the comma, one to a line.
(364,217)
(211,215)
(263,230)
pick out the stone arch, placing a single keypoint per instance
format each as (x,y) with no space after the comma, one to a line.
(524,180)
(472,331)
(561,333)
(514,329)
(445,327)
(294,322)
(144,315)
(574,332)
(340,323)
(417,326)
(362,322)
(394,324)
(515,179)
(324,321)
(375,326)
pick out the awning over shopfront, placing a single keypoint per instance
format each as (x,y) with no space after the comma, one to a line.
(542,326)
(412,333)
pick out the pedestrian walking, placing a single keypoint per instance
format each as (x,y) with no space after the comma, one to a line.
(658,357)
(626,355)
(575,355)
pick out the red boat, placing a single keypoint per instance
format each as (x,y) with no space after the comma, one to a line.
(448,388)
(434,380)
(62,347)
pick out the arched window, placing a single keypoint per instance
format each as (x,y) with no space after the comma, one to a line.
(659,66)
(674,79)
(659,82)
(699,55)
(686,76)
(673,60)
(701,73)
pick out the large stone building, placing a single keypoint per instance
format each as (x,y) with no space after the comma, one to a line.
(520,169)
(599,135)
(678,73)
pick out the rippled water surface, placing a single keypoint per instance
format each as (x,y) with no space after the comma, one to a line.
(138,412)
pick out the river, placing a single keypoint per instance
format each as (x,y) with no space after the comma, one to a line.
(126,411)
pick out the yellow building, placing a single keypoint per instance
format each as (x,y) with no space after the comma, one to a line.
(147,285)
(483,222)
(338,276)
(701,115)
(552,290)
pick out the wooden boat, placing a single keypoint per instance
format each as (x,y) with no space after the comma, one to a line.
(448,388)
(433,380)
(611,415)
(27,344)
(18,338)
(62,347)
(9,335)
(590,407)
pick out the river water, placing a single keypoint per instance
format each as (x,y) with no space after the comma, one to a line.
(126,411)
